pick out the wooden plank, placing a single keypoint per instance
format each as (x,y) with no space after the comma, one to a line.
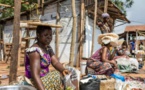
(28,38)
(16,36)
(32,27)
(72,48)
(94,26)
(44,24)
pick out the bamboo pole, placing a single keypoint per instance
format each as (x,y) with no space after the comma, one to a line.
(127,38)
(136,41)
(105,6)
(72,49)
(94,26)
(81,33)
(56,33)
(16,36)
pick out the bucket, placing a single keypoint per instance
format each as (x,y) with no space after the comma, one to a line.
(17,87)
(83,67)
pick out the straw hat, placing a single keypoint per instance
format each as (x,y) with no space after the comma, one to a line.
(107,38)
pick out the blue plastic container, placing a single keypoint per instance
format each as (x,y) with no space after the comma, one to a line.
(117,76)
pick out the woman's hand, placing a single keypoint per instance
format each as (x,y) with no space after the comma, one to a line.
(65,72)
(114,63)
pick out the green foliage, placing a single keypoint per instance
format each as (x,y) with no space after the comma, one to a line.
(10,11)
(122,5)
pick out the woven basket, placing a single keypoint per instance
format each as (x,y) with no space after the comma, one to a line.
(108,84)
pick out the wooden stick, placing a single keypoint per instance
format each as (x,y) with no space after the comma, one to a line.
(105,6)
(5,5)
(72,49)
(56,33)
(16,36)
(81,33)
(94,26)
(44,24)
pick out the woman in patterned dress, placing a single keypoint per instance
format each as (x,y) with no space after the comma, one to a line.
(38,58)
(100,61)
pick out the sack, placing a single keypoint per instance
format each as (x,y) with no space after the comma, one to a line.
(90,84)
(127,65)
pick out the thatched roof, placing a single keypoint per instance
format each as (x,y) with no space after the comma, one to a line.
(113,10)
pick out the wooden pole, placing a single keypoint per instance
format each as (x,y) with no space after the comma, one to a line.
(81,33)
(136,42)
(94,26)
(15,43)
(56,33)
(72,49)
(127,38)
(105,6)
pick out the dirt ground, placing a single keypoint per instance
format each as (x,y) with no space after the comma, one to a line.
(4,70)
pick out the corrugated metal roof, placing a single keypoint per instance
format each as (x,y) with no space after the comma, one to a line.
(134,28)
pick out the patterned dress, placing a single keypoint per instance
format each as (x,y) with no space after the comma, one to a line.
(98,65)
(51,80)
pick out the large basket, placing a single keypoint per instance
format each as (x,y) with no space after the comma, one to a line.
(106,83)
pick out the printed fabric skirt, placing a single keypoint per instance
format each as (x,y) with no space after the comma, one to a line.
(100,68)
(52,81)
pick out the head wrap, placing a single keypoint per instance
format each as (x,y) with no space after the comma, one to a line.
(105,15)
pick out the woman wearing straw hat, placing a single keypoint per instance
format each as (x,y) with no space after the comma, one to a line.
(100,61)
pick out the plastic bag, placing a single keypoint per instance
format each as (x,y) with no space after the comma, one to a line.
(68,83)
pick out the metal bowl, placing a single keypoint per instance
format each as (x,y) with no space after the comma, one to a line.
(17,87)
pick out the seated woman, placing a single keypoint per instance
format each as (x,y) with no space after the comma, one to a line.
(100,61)
(123,59)
(38,58)
(123,51)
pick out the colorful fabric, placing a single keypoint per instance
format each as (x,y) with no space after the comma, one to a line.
(97,55)
(100,67)
(44,64)
(52,81)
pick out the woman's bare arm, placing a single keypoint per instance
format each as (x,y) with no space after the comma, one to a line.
(57,65)
(35,70)
(104,54)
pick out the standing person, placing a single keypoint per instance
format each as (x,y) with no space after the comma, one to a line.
(38,58)
(100,61)
(132,44)
(141,46)
(105,26)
